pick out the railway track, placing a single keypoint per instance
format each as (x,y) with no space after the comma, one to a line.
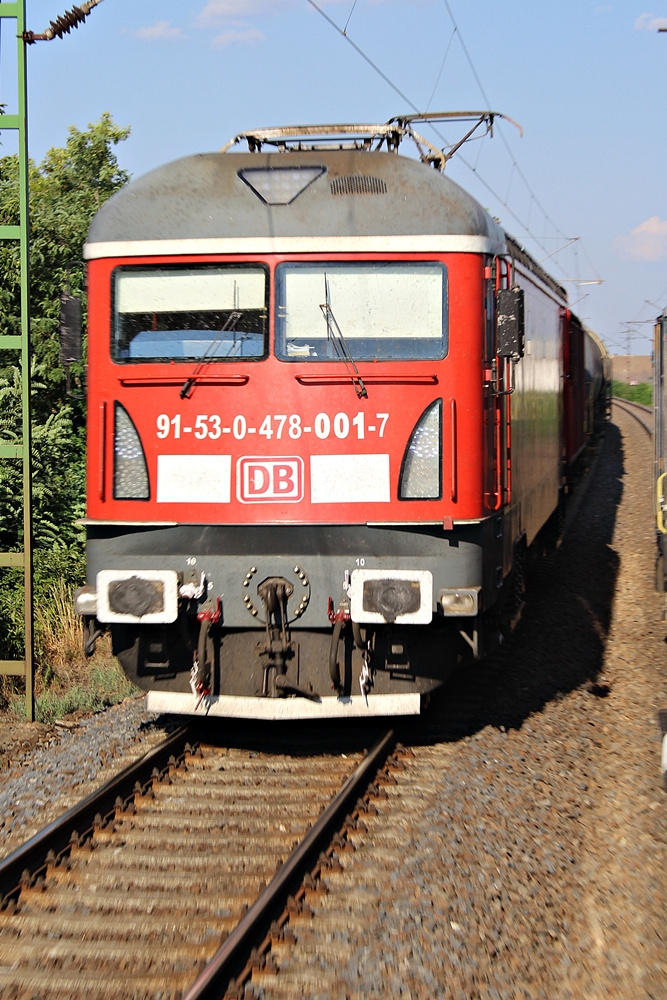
(163,882)
(522,826)
(642,414)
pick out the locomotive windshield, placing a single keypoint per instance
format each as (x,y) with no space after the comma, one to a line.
(380,309)
(184,313)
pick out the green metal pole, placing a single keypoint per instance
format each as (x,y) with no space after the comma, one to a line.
(19,123)
(26,362)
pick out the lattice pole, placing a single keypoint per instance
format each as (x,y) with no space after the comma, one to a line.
(18,122)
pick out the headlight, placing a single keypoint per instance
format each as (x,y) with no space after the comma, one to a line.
(463,603)
(130,474)
(421,472)
(85,600)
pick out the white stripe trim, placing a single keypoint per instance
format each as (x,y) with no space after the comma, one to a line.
(84,522)
(295,244)
(273,709)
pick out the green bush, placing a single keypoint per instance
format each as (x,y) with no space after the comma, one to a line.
(105,685)
(641,393)
(55,571)
(66,189)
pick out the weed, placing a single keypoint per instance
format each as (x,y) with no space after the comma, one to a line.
(83,686)
(641,393)
(65,681)
(59,630)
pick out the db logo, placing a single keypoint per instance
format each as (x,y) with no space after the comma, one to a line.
(269,480)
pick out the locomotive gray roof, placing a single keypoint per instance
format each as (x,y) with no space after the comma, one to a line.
(359,194)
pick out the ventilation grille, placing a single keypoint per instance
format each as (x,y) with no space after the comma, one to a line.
(358,184)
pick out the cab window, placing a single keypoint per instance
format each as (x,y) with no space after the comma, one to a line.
(177,313)
(362,310)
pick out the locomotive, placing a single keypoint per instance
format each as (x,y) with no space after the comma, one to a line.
(332,406)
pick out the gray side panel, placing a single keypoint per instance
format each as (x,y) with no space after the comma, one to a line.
(536,408)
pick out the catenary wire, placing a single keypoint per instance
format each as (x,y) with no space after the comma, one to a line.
(442,66)
(461,158)
(365,57)
(515,165)
(349,18)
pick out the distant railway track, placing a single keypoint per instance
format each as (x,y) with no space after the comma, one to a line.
(165,880)
(642,414)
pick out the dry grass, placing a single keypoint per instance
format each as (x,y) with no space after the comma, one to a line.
(60,630)
(65,680)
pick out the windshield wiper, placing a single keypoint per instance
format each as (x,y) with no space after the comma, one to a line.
(335,335)
(230,324)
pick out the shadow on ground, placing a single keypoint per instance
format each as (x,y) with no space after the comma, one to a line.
(560,642)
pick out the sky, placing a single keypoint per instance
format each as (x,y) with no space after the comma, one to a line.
(582,185)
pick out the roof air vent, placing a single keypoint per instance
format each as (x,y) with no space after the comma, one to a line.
(358,184)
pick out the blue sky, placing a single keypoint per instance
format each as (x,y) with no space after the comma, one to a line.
(586,81)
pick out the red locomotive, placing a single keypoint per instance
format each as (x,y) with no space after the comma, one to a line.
(331,406)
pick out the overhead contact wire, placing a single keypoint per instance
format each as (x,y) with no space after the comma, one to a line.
(505,143)
(415,108)
(365,57)
(349,17)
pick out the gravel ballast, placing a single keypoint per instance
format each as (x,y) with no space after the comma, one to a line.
(522,852)
(74,760)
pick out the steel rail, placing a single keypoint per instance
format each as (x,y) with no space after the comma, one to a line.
(232,955)
(30,860)
(634,409)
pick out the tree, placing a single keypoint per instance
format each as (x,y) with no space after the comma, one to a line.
(66,190)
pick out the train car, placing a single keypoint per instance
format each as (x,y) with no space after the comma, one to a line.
(586,363)
(660,446)
(575,410)
(326,422)
(598,383)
